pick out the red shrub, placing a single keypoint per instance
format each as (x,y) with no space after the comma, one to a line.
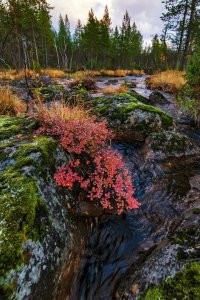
(109,181)
(95,170)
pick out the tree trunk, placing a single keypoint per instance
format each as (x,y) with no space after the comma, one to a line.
(189,34)
(57,54)
(182,35)
(36,48)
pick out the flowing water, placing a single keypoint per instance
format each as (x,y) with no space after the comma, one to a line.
(115,244)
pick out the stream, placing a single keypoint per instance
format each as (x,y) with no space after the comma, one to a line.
(115,244)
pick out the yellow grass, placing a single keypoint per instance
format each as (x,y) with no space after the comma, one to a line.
(109,73)
(115,90)
(10,104)
(60,110)
(120,72)
(53,73)
(170,80)
(15,75)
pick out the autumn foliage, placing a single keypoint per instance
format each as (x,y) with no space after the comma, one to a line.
(94,171)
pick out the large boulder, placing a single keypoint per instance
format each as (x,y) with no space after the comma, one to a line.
(33,219)
(131,119)
(169,145)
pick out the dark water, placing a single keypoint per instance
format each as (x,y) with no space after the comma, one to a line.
(116,243)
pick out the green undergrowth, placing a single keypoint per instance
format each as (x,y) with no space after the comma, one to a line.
(23,213)
(184,285)
(118,106)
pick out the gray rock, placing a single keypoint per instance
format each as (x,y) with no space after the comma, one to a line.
(157,97)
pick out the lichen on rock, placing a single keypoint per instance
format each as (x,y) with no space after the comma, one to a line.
(31,225)
(169,144)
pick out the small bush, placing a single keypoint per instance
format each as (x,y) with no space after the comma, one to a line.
(189,100)
(10,104)
(193,69)
(76,97)
(87,83)
(94,172)
(115,90)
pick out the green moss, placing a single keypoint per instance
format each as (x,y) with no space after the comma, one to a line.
(139,97)
(48,93)
(11,126)
(43,145)
(154,294)
(7,290)
(118,106)
(184,285)
(23,213)
(189,237)
(19,203)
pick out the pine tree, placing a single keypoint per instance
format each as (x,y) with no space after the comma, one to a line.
(91,38)
(64,42)
(104,32)
(180,20)
(77,45)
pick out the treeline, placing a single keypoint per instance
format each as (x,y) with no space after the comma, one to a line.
(27,38)
(182,28)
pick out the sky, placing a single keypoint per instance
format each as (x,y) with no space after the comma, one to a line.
(145,13)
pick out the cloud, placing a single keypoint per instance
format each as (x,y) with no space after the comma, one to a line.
(146,14)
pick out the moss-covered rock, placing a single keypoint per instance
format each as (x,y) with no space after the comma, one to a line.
(169,144)
(130,118)
(184,285)
(139,97)
(10,127)
(51,92)
(29,217)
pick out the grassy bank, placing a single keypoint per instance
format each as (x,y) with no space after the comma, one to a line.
(169,81)
(6,74)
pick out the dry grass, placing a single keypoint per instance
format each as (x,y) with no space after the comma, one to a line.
(53,73)
(10,104)
(15,75)
(61,111)
(119,73)
(107,73)
(170,81)
(115,90)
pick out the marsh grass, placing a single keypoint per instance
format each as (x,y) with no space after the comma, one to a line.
(10,104)
(31,74)
(61,111)
(169,81)
(115,90)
